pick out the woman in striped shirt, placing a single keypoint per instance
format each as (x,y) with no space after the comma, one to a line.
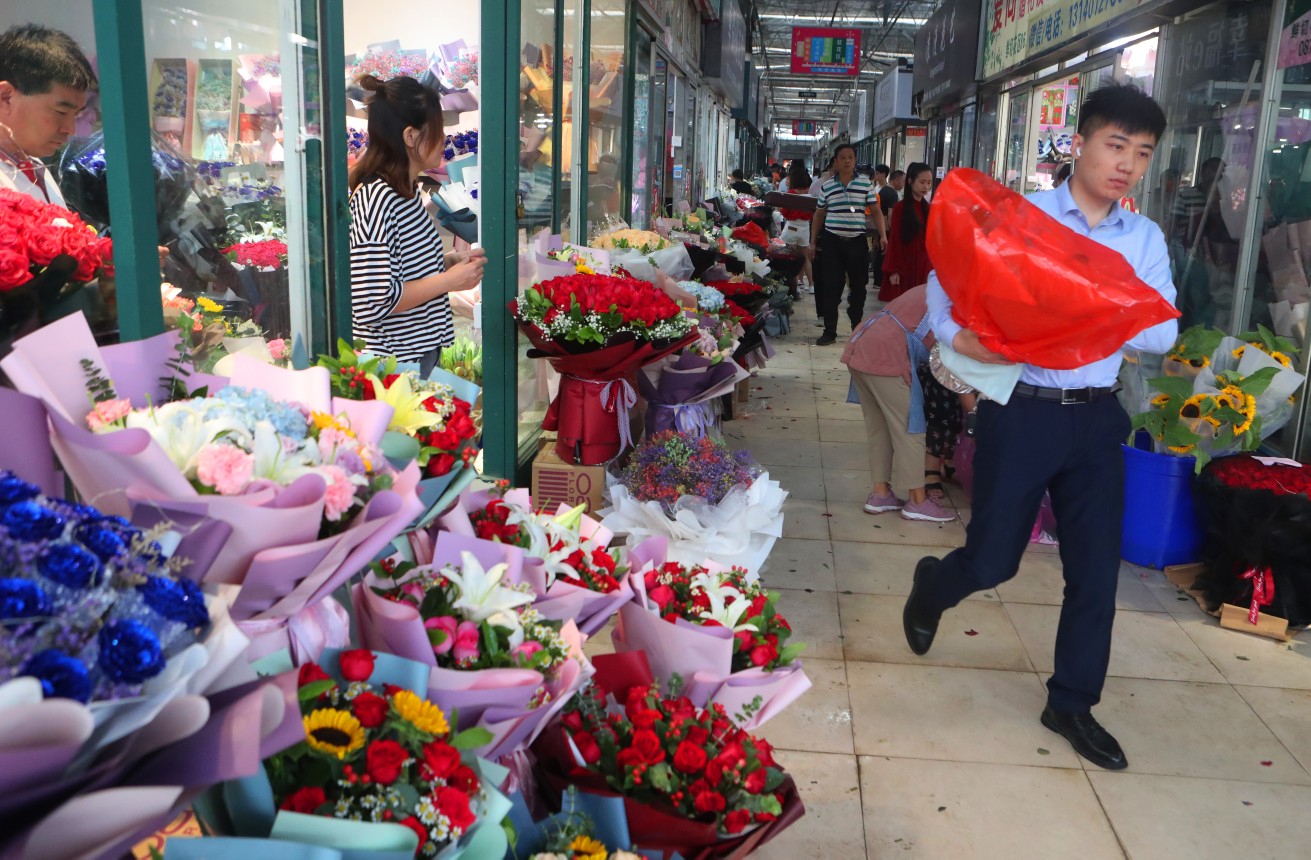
(399,276)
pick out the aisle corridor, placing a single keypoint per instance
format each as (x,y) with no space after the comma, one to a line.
(943,756)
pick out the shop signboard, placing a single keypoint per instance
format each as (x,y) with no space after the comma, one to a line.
(825,51)
(946,52)
(1015,30)
(724,48)
(1295,41)
(805,127)
(892,98)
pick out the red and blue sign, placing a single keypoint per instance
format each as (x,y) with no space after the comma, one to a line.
(825,51)
(805,127)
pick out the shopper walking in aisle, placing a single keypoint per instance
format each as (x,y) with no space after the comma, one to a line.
(400,276)
(1061,432)
(906,263)
(883,355)
(837,237)
(796,229)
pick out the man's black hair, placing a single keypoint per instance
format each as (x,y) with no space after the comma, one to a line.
(882,168)
(1123,106)
(842,146)
(896,174)
(35,58)
(737,174)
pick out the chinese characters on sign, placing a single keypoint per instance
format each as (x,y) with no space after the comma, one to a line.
(805,127)
(825,51)
(1295,42)
(946,52)
(1018,29)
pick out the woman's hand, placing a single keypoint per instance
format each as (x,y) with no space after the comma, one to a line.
(967,343)
(466,274)
(894,279)
(455,258)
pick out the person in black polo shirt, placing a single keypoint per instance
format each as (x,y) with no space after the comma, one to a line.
(837,238)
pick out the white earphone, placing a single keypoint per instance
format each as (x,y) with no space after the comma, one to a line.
(1078,153)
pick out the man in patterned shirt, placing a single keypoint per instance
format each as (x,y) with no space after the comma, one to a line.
(837,238)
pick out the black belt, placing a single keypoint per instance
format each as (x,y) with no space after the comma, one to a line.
(1064,396)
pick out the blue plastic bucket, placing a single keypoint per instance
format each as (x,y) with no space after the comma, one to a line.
(1161,525)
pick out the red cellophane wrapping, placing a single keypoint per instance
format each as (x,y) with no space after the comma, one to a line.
(587,432)
(651,828)
(1032,289)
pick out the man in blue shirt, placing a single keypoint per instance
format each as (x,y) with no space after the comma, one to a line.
(1061,433)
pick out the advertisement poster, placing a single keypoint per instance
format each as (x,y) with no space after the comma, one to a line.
(1295,41)
(805,127)
(824,51)
(1051,108)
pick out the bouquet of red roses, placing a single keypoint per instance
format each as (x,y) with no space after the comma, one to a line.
(719,631)
(42,248)
(265,255)
(597,330)
(690,779)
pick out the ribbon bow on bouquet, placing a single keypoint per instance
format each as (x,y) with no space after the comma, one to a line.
(1263,590)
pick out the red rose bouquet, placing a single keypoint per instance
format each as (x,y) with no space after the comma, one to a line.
(376,757)
(266,255)
(565,557)
(42,248)
(753,235)
(597,330)
(691,780)
(721,632)
(493,657)
(1257,553)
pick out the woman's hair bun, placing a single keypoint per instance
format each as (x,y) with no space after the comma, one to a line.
(372,83)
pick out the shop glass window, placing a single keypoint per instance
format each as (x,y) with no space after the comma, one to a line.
(49,296)
(639,214)
(443,52)
(227,114)
(607,114)
(1017,141)
(1211,91)
(1137,65)
(1282,285)
(985,147)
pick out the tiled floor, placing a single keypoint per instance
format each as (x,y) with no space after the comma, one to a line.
(943,756)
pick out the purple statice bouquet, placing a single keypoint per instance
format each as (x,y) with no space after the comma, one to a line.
(671,465)
(707,501)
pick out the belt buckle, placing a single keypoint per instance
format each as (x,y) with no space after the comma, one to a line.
(1074,396)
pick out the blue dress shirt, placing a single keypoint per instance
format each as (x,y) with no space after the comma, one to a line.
(1137,238)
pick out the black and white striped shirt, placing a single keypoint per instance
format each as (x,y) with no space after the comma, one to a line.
(844,205)
(393,240)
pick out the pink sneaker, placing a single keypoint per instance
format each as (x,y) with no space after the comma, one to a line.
(928,510)
(882,504)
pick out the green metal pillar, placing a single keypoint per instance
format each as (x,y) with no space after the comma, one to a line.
(125,103)
(336,212)
(499,157)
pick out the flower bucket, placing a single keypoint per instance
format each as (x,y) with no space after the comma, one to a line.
(1161,526)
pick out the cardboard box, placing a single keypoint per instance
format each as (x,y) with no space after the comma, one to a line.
(742,391)
(1237,618)
(556,482)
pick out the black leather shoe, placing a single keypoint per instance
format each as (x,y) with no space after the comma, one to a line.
(1087,737)
(920,624)
(825,339)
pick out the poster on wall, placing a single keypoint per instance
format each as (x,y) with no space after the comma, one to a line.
(1295,41)
(805,127)
(1051,108)
(825,51)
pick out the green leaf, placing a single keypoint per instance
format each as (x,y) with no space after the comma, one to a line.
(313,690)
(660,777)
(1174,386)
(470,739)
(1178,435)
(1257,383)
(790,653)
(1202,459)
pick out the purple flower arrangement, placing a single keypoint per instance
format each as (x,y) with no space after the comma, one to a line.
(463,143)
(357,140)
(89,605)
(671,465)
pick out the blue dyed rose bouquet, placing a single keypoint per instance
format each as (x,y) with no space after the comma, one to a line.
(108,659)
(708,501)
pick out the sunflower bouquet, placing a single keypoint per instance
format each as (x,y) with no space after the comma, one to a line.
(1218,394)
(380,768)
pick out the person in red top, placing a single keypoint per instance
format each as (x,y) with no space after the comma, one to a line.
(906,262)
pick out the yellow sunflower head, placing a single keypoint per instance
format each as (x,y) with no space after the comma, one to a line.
(1200,362)
(420,713)
(1282,359)
(1192,407)
(209,305)
(587,848)
(1181,449)
(334,732)
(1160,400)
(1238,351)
